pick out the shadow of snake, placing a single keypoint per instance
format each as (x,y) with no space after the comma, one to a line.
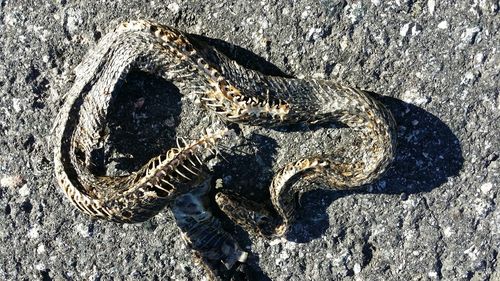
(428,152)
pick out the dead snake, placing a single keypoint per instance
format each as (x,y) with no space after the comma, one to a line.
(179,177)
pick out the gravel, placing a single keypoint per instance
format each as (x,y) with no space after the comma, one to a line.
(433,216)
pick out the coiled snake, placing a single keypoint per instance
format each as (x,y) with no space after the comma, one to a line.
(179,178)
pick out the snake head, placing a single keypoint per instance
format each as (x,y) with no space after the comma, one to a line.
(252,216)
(268,227)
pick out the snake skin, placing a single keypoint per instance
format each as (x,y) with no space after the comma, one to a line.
(179,178)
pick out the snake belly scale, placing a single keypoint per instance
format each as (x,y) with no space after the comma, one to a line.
(179,177)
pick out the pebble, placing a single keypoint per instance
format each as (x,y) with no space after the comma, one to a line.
(357,268)
(24,191)
(404,29)
(469,34)
(431,5)
(486,187)
(11,181)
(443,25)
(173,7)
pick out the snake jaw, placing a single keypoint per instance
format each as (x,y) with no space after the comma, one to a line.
(252,216)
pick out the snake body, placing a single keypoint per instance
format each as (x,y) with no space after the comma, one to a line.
(179,177)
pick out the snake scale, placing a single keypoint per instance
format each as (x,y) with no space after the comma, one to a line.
(179,177)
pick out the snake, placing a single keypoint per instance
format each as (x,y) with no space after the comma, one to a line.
(179,178)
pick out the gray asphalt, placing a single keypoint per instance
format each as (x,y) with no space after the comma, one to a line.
(433,216)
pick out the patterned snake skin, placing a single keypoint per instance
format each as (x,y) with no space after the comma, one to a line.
(179,178)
